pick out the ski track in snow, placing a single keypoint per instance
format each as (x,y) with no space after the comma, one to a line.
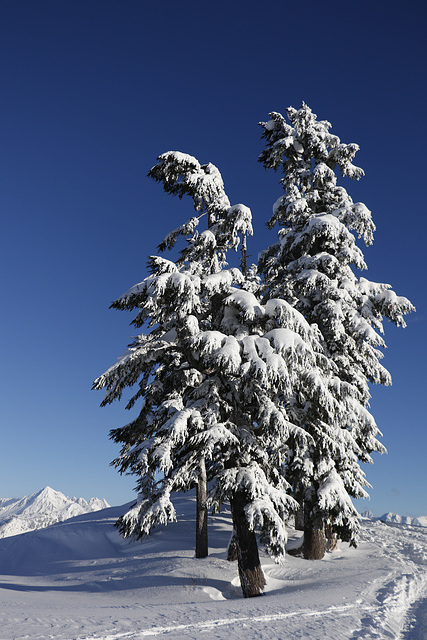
(81,581)
(212,624)
(416,626)
(400,596)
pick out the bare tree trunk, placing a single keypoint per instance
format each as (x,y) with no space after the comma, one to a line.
(232,548)
(331,538)
(299,519)
(314,546)
(244,254)
(202,514)
(252,578)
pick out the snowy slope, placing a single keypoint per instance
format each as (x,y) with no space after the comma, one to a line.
(41,509)
(78,580)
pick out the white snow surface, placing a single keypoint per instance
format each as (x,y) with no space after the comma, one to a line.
(41,509)
(79,580)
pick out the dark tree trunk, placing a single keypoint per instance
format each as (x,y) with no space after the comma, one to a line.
(299,519)
(314,546)
(202,514)
(331,538)
(232,548)
(252,579)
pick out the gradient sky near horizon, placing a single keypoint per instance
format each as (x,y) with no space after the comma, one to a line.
(92,93)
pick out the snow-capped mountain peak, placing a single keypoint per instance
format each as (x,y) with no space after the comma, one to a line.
(395,518)
(41,509)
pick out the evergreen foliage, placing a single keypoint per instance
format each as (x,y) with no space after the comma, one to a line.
(217,372)
(257,379)
(312,266)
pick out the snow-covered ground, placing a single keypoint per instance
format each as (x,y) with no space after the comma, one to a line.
(41,509)
(78,580)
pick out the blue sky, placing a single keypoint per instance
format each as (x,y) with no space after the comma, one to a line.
(93,92)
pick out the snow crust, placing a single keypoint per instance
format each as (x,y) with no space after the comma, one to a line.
(79,580)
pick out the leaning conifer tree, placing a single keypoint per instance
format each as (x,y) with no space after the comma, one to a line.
(167,299)
(312,267)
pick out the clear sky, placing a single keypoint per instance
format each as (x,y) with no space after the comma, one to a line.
(92,93)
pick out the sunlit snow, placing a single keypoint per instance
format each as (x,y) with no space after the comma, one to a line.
(79,580)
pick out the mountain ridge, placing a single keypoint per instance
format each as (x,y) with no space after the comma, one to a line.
(395,518)
(42,509)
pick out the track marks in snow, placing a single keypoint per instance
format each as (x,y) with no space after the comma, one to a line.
(394,601)
(402,597)
(416,626)
(209,625)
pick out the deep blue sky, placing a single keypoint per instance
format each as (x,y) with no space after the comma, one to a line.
(92,93)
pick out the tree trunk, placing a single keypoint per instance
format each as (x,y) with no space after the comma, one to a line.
(202,514)
(232,548)
(314,546)
(299,519)
(331,538)
(252,579)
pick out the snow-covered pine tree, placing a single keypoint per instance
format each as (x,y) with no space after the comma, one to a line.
(215,371)
(168,370)
(182,174)
(312,267)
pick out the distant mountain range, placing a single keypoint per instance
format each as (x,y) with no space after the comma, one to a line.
(394,518)
(47,506)
(41,509)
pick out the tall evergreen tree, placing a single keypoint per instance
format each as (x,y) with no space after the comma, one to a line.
(212,367)
(181,174)
(312,266)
